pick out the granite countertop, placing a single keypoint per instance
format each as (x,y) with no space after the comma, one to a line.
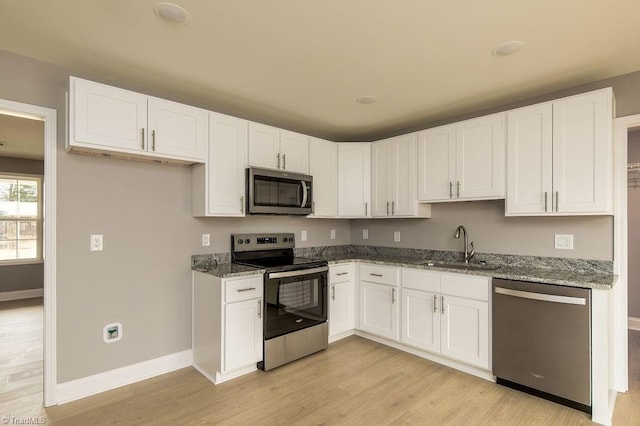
(219,266)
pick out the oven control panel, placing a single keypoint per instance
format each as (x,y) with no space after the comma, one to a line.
(252,242)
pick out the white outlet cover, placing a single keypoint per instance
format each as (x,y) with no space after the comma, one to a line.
(396,236)
(303,235)
(95,242)
(206,240)
(564,241)
(112,332)
(365,234)
(333,234)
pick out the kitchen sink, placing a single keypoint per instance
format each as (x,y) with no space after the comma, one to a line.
(460,265)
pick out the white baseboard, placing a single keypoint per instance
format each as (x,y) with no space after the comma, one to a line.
(21,294)
(634,323)
(91,385)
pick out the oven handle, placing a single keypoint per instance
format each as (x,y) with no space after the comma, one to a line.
(304,193)
(297,273)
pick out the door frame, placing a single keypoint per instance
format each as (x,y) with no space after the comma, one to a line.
(49,117)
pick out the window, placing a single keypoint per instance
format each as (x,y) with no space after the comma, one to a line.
(20,219)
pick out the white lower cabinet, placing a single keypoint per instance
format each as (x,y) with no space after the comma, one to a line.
(227,325)
(341,301)
(465,330)
(379,300)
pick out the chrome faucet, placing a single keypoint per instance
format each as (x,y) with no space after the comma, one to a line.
(467,254)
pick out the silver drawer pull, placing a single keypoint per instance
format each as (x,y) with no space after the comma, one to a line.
(376,275)
(342,273)
(393,295)
(245,289)
(541,296)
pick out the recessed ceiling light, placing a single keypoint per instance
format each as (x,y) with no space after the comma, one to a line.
(171,13)
(507,48)
(366,99)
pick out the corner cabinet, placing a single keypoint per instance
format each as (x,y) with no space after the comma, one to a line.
(218,187)
(354,179)
(323,166)
(227,325)
(106,119)
(273,148)
(463,161)
(393,178)
(560,157)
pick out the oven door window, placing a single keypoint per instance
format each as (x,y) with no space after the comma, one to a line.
(278,192)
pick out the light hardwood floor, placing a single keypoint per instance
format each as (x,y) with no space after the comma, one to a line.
(355,381)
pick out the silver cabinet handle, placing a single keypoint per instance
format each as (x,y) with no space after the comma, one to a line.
(387,208)
(393,208)
(342,273)
(278,157)
(393,295)
(143,138)
(259,308)
(442,305)
(313,207)
(458,189)
(545,200)
(366,209)
(450,189)
(557,194)
(242,204)
(376,275)
(153,140)
(435,303)
(245,289)
(541,296)
(333,292)
(284,161)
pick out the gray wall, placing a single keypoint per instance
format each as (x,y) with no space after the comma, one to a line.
(633,211)
(491,231)
(21,277)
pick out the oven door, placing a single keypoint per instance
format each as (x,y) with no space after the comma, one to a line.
(294,300)
(275,192)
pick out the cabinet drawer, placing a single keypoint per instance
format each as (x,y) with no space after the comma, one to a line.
(379,274)
(340,273)
(465,286)
(421,280)
(243,289)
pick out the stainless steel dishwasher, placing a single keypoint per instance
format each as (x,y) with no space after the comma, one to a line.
(542,340)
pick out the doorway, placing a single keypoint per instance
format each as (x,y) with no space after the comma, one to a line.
(46,228)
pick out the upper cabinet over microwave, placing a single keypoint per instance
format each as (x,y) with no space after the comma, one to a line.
(273,148)
(112,120)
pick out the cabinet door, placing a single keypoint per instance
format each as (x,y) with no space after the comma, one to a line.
(582,153)
(177,130)
(242,334)
(529,150)
(108,117)
(480,151)
(341,308)
(294,152)
(226,166)
(421,319)
(437,164)
(264,146)
(465,330)
(402,175)
(380,199)
(354,179)
(324,169)
(379,309)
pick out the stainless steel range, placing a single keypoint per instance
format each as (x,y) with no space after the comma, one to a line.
(295,296)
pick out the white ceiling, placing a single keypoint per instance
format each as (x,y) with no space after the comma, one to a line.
(21,137)
(300,64)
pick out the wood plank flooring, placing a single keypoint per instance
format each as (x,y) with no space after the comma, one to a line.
(354,382)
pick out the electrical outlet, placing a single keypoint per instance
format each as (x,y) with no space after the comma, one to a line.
(365,234)
(303,235)
(112,332)
(564,241)
(95,243)
(396,236)
(333,234)
(206,240)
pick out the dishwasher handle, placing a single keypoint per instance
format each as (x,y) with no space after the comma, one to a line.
(541,296)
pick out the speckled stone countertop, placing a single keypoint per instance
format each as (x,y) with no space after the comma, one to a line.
(570,272)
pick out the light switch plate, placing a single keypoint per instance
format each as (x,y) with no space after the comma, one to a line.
(333,234)
(564,241)
(303,235)
(206,240)
(365,234)
(396,236)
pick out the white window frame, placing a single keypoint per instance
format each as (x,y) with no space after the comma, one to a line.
(40,220)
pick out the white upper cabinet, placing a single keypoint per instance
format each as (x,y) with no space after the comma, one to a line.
(354,179)
(560,156)
(393,178)
(218,187)
(108,119)
(463,161)
(323,166)
(273,148)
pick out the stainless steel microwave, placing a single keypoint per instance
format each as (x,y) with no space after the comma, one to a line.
(278,192)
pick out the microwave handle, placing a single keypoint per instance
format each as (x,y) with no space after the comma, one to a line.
(304,193)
